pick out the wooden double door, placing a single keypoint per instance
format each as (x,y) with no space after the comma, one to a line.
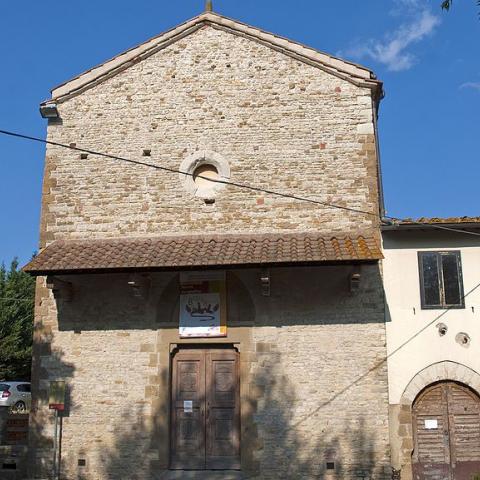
(446,424)
(205,409)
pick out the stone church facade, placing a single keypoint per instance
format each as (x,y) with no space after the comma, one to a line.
(293,383)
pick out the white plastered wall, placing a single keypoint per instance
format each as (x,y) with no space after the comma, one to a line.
(413,340)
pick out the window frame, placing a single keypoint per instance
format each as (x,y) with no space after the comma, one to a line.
(438,255)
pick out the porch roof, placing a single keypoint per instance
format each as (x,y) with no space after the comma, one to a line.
(207,251)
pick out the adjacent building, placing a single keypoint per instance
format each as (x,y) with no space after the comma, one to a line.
(202,322)
(431,277)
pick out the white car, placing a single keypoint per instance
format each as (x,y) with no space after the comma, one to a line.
(15,395)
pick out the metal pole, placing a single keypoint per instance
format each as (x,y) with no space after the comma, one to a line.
(59,446)
(55,443)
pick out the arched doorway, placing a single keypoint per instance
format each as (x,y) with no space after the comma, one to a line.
(446,432)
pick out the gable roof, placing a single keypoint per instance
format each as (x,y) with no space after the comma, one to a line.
(356,74)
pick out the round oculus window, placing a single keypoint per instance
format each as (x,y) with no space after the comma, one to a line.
(202,169)
(203,175)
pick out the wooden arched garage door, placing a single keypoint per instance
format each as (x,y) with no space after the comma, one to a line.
(446,430)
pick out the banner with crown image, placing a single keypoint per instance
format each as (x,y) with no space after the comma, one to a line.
(203,305)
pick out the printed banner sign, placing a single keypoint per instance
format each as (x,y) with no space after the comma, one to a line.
(203,304)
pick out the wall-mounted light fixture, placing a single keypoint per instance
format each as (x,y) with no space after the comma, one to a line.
(140,285)
(60,289)
(265,282)
(49,110)
(355,278)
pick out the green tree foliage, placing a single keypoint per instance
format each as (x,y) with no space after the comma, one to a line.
(17,292)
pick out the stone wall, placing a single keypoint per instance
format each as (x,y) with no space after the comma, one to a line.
(13,444)
(313,385)
(279,123)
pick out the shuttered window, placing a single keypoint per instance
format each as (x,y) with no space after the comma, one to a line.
(441,283)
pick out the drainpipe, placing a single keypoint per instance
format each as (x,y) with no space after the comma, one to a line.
(375,107)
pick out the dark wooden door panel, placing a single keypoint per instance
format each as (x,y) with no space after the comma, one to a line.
(222,444)
(188,443)
(207,383)
(430,417)
(432,444)
(451,451)
(223,413)
(464,422)
(188,427)
(466,437)
(431,457)
(431,471)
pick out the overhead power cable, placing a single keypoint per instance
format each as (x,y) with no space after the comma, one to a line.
(382,361)
(231,183)
(190,174)
(285,195)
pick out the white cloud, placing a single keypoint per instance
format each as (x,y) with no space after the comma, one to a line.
(393,51)
(408,3)
(474,85)
(401,7)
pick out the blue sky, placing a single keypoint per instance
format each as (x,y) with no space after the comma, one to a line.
(428,59)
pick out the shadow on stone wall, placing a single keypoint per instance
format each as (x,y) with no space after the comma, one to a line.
(109,298)
(134,453)
(40,455)
(293,450)
(288,447)
(129,451)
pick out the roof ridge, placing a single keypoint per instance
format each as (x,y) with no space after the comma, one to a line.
(289,40)
(351,71)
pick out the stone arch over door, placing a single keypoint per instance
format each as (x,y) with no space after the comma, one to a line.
(446,370)
(402,418)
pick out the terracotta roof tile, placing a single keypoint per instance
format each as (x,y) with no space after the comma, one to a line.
(409,221)
(70,256)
